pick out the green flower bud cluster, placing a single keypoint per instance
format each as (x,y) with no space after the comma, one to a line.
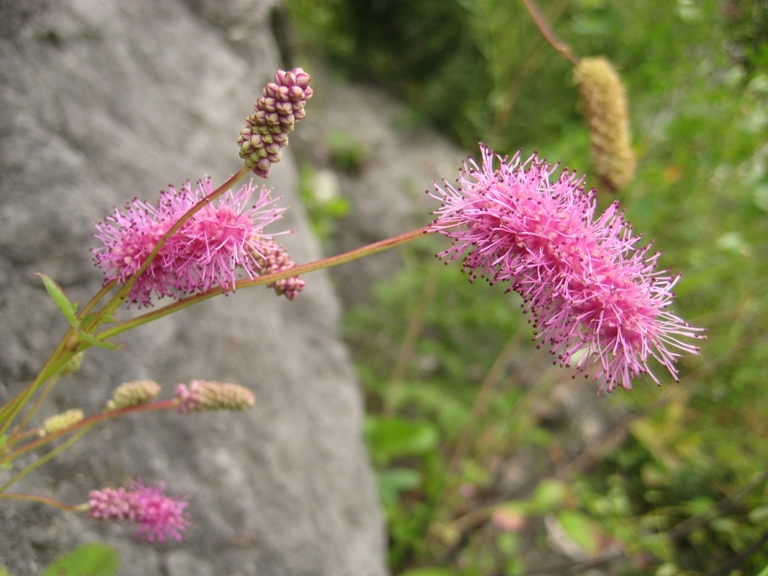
(133,394)
(61,421)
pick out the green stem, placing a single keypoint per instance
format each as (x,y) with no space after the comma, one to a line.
(38,402)
(46,500)
(267,279)
(60,355)
(89,422)
(96,299)
(71,343)
(44,459)
(547,32)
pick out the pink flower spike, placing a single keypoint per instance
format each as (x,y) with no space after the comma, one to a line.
(596,298)
(212,249)
(158,516)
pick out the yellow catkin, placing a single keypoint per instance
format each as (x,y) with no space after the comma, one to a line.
(61,421)
(604,104)
(133,394)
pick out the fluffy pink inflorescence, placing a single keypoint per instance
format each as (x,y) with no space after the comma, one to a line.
(595,297)
(158,516)
(223,241)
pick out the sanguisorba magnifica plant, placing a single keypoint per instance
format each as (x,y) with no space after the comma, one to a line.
(596,298)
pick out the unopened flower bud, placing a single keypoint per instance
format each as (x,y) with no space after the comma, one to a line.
(72,365)
(203,395)
(275,112)
(133,394)
(61,421)
(273,258)
(604,104)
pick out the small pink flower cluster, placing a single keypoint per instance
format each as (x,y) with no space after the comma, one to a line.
(274,259)
(276,112)
(203,395)
(595,297)
(220,242)
(158,516)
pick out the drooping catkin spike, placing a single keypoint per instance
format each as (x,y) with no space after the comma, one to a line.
(604,104)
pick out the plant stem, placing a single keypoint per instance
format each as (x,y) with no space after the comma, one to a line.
(87,423)
(547,32)
(44,500)
(40,399)
(59,356)
(266,279)
(96,299)
(44,459)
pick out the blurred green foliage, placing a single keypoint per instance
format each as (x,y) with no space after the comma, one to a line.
(91,559)
(448,368)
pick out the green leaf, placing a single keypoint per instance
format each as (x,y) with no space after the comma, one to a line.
(391,437)
(393,481)
(759,515)
(579,529)
(87,560)
(96,342)
(550,495)
(66,307)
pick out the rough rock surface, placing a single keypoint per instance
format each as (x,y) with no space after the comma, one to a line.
(104,101)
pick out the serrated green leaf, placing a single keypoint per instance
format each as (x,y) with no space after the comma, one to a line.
(61,300)
(87,560)
(96,342)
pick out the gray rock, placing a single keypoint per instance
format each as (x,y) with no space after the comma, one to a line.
(104,101)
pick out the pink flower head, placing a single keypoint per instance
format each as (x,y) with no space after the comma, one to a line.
(158,516)
(595,297)
(215,247)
